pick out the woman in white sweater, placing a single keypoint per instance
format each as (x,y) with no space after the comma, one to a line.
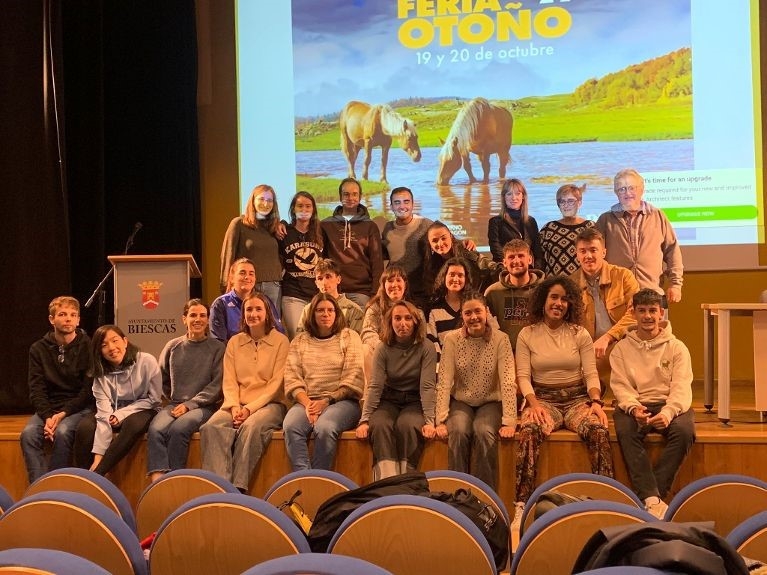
(323,375)
(476,392)
(557,376)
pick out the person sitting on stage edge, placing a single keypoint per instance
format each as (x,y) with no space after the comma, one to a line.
(476,393)
(127,386)
(652,383)
(557,375)
(235,437)
(398,411)
(323,375)
(191,367)
(59,389)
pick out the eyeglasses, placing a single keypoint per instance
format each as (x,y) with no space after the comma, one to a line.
(630,189)
(567,202)
(60,358)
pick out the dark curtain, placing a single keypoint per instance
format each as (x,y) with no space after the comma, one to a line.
(98,127)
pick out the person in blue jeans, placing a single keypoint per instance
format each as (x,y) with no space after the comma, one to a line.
(323,375)
(191,367)
(59,389)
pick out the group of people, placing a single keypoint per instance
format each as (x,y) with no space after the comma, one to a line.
(443,343)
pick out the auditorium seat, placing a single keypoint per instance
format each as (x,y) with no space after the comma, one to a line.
(316,564)
(316,487)
(223,533)
(408,534)
(750,537)
(552,544)
(5,500)
(172,490)
(88,483)
(28,561)
(450,481)
(626,570)
(597,487)
(726,499)
(77,524)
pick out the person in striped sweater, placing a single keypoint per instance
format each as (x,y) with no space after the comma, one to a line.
(323,376)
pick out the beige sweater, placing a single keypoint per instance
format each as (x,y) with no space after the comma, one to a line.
(253,372)
(555,357)
(476,371)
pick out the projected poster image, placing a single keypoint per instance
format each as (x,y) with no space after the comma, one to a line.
(449,98)
(449,105)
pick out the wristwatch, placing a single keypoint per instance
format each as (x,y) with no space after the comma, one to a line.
(598,401)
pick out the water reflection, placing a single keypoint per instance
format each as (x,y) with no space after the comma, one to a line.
(467,208)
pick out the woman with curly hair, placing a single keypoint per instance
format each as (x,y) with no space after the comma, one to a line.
(453,281)
(557,375)
(443,245)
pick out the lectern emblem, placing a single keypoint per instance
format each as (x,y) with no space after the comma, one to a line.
(150,294)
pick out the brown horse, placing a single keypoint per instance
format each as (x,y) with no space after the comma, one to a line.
(480,128)
(366,126)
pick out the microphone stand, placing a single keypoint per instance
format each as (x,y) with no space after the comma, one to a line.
(99,292)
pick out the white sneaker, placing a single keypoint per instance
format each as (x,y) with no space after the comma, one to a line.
(519,509)
(656,507)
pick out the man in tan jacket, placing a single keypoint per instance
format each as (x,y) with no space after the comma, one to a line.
(607,292)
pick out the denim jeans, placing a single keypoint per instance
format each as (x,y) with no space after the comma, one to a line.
(234,453)
(335,419)
(33,444)
(273,290)
(168,437)
(292,308)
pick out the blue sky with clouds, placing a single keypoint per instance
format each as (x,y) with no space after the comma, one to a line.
(348,49)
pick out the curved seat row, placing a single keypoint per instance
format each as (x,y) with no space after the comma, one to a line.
(198,509)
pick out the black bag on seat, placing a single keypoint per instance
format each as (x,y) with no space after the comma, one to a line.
(674,547)
(493,527)
(552,499)
(332,513)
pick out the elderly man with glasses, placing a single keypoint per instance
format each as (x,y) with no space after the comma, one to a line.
(639,236)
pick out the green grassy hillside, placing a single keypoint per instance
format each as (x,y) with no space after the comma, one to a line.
(647,101)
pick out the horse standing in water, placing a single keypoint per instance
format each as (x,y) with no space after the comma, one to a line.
(366,126)
(480,128)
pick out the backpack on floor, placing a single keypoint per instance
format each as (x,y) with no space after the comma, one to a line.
(493,527)
(332,513)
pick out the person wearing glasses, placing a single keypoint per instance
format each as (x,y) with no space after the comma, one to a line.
(639,236)
(558,236)
(59,389)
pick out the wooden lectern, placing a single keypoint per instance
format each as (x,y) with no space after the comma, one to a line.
(150,294)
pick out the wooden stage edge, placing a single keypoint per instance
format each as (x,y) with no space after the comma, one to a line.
(740,447)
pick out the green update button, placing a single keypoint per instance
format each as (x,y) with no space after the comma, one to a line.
(711,213)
